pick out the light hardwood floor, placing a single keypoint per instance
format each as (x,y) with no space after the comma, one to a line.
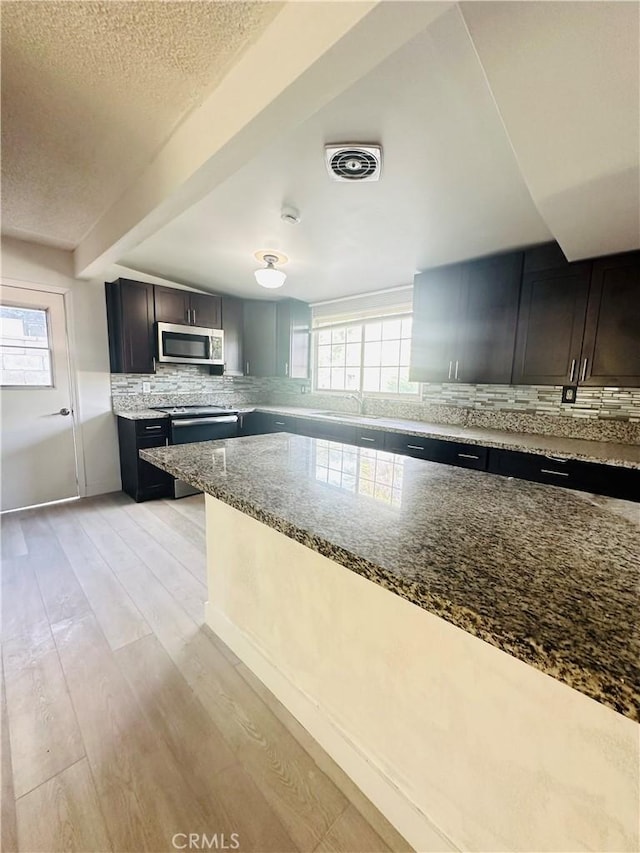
(125,721)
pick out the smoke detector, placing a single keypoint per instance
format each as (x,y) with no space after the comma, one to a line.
(290,215)
(353,162)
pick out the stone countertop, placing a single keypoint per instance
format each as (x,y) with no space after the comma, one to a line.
(140,415)
(608,452)
(148,414)
(546,574)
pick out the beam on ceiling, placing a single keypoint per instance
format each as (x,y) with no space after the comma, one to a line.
(308,55)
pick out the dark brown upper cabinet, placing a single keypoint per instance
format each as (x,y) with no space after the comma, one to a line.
(553,307)
(293,336)
(276,338)
(578,322)
(130,316)
(184,307)
(232,311)
(437,297)
(259,324)
(206,310)
(464,321)
(487,333)
(611,348)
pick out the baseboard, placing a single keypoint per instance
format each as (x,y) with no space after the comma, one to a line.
(92,489)
(383,792)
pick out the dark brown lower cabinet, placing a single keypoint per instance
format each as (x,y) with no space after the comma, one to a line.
(610,480)
(141,480)
(598,478)
(438,450)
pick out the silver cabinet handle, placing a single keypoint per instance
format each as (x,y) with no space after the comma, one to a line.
(286,368)
(450,368)
(583,375)
(364,438)
(247,368)
(64,412)
(456,374)
(556,459)
(557,473)
(153,427)
(468,456)
(279,423)
(414,447)
(194,316)
(573,369)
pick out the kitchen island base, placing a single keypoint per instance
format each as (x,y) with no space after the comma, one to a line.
(458,744)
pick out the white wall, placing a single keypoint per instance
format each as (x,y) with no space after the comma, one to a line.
(98,441)
(450,737)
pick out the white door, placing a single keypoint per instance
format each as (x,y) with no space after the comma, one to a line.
(37,425)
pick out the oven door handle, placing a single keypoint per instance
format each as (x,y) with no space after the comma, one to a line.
(225,419)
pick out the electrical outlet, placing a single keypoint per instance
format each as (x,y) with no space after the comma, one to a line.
(146,387)
(569,393)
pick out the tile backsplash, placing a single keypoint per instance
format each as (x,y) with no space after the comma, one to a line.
(607,414)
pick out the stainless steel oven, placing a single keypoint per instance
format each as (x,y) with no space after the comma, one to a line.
(189,344)
(198,423)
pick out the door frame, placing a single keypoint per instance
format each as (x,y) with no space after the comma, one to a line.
(67,298)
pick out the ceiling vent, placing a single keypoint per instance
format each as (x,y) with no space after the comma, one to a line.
(354,162)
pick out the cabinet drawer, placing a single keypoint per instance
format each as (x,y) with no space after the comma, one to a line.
(259,423)
(409,445)
(153,426)
(370,438)
(283,424)
(571,473)
(328,430)
(463,455)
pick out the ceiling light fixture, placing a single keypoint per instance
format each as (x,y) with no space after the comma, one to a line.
(269,276)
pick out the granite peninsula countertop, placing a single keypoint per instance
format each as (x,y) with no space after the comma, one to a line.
(607,452)
(546,574)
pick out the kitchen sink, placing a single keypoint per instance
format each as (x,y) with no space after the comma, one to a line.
(346,415)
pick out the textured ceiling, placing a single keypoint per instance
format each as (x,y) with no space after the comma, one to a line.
(91,91)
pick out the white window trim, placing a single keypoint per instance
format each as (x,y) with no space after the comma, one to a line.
(338,323)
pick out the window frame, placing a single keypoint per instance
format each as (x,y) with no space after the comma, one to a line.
(359,322)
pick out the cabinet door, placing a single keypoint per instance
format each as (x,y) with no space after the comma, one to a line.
(232,327)
(206,311)
(293,333)
(172,306)
(611,351)
(553,306)
(249,424)
(436,313)
(487,334)
(130,321)
(152,481)
(259,323)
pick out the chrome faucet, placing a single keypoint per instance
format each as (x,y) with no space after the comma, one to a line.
(359,398)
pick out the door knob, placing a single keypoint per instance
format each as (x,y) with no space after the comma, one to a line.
(65,412)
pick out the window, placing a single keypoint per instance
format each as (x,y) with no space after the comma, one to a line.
(370,355)
(25,354)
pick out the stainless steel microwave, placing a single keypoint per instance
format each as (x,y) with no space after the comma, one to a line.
(189,344)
